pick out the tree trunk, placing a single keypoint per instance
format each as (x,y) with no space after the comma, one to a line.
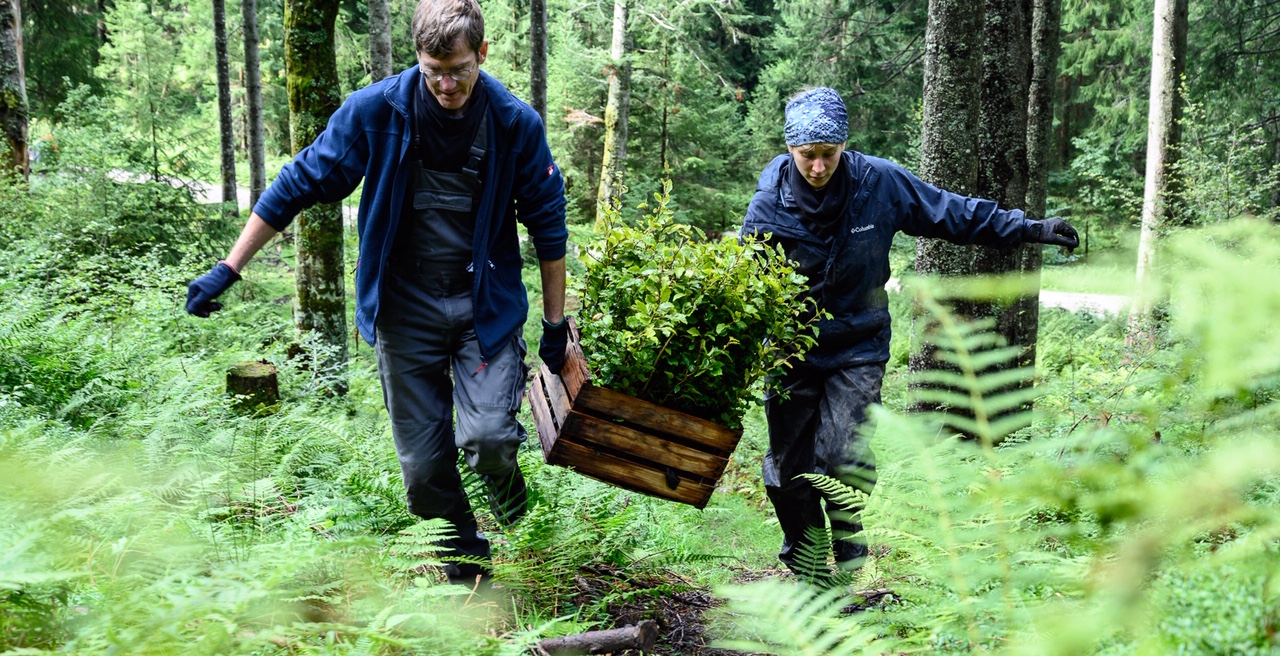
(949,135)
(230,203)
(538,57)
(1168,55)
(312,79)
(14,111)
(253,95)
(1002,174)
(380,61)
(1275,163)
(615,113)
(1046,24)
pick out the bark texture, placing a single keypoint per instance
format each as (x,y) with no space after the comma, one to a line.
(1046,26)
(312,79)
(949,134)
(538,57)
(253,101)
(1002,174)
(1168,61)
(641,637)
(14,111)
(226,133)
(615,113)
(380,62)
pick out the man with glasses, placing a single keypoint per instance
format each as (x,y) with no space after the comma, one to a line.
(450,161)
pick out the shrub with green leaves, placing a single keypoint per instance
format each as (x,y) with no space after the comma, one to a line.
(686,322)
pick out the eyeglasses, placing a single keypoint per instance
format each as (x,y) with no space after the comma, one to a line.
(459,75)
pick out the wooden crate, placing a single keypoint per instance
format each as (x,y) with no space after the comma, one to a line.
(623,440)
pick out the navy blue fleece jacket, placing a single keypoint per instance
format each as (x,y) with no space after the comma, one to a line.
(854,267)
(368,138)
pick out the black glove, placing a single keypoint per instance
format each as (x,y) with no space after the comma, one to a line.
(555,340)
(202,290)
(1054,232)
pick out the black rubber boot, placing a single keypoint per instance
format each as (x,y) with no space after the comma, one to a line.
(466,573)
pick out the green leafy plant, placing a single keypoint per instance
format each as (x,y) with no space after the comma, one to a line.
(686,322)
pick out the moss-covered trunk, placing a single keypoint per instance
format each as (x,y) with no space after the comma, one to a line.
(949,134)
(1002,174)
(312,78)
(14,111)
(615,113)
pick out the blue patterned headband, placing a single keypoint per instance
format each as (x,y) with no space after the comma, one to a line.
(817,116)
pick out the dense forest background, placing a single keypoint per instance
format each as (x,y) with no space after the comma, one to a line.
(709,81)
(1135,511)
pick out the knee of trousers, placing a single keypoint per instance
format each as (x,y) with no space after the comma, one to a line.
(489,440)
(434,489)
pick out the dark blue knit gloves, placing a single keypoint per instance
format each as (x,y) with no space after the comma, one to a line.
(555,340)
(202,290)
(1054,232)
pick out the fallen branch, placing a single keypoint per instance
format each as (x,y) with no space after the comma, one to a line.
(639,637)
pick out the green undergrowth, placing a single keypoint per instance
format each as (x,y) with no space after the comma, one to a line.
(1135,511)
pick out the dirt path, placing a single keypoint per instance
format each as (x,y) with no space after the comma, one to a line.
(1099,305)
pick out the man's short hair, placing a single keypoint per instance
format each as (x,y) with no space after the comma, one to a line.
(437,24)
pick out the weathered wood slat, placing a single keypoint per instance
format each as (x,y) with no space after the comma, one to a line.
(547,432)
(574,373)
(655,417)
(556,393)
(624,473)
(649,447)
(623,440)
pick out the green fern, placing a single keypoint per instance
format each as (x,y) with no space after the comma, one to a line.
(977,394)
(775,618)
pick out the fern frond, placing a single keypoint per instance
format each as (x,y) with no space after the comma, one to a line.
(777,618)
(838,492)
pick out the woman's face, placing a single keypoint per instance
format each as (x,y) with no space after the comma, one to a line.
(817,162)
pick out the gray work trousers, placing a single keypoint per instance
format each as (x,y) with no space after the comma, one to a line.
(816,429)
(425,331)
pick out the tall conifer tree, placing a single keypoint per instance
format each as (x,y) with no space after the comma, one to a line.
(13,88)
(253,101)
(312,78)
(615,114)
(381,63)
(227,139)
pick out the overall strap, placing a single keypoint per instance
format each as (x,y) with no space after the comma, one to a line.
(478,148)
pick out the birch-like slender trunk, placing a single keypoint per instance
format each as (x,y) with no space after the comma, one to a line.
(380,62)
(538,57)
(253,101)
(226,132)
(14,111)
(311,73)
(1168,57)
(615,113)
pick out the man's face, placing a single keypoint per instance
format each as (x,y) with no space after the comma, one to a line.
(817,162)
(463,62)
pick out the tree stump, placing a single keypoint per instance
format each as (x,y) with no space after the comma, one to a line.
(253,384)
